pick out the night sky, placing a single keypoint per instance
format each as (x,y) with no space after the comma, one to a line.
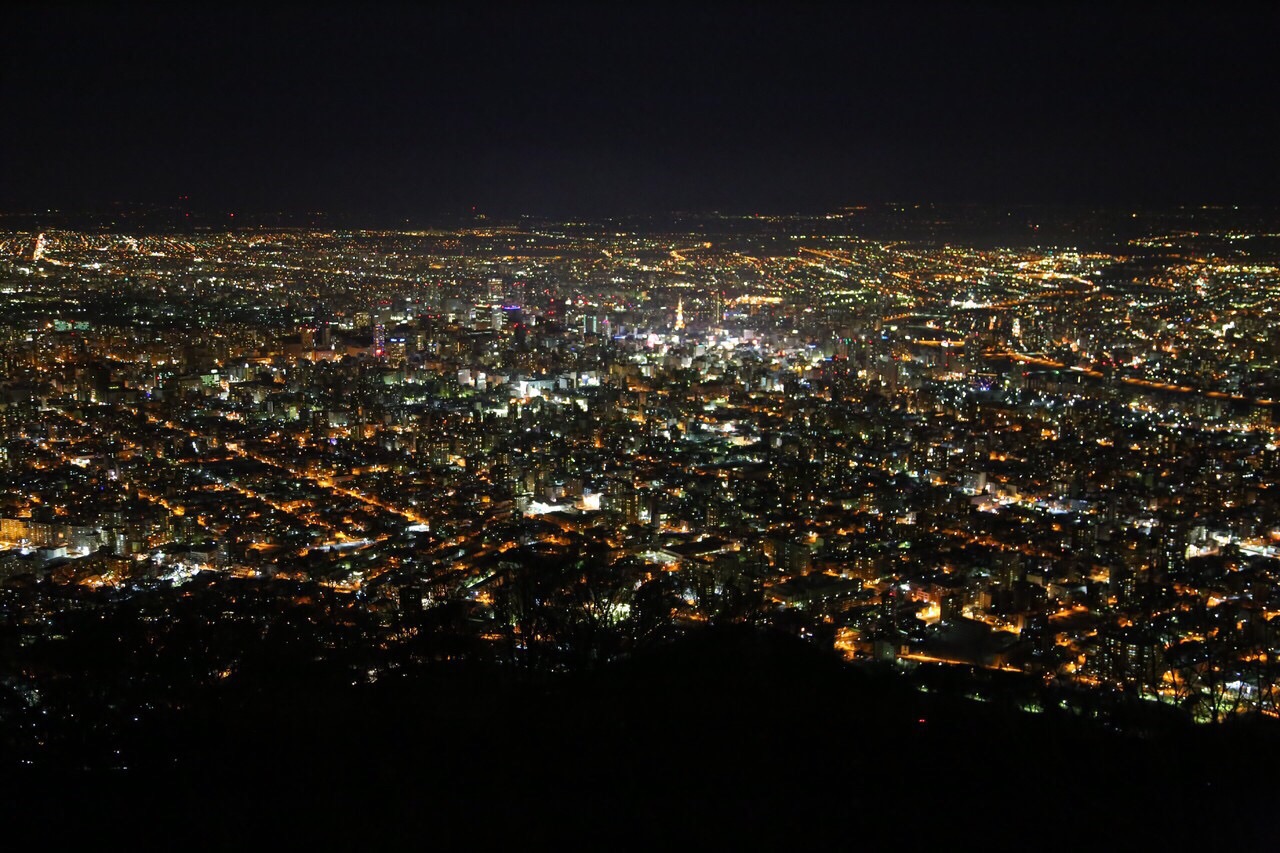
(581,109)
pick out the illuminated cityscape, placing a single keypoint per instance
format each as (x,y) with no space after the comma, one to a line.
(501,479)
(576,440)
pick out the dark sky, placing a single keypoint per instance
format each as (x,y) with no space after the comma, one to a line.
(565,109)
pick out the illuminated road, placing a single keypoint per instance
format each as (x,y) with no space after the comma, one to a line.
(291,511)
(1132,381)
(677,254)
(320,481)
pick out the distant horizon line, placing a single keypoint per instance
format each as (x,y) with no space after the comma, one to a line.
(479,212)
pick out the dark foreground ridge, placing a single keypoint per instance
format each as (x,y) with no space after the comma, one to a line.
(730,735)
